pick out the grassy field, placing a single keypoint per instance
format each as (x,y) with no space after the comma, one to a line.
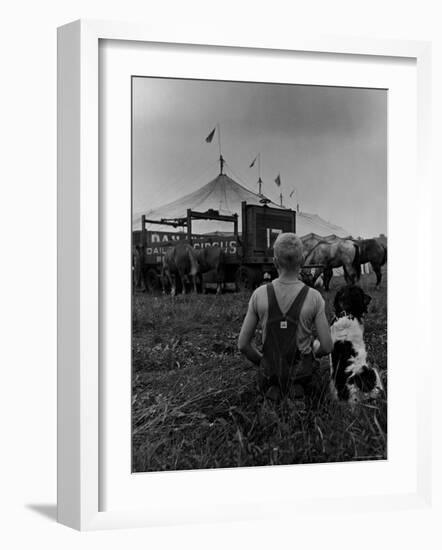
(194,399)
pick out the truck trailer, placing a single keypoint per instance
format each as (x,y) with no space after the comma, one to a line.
(248,252)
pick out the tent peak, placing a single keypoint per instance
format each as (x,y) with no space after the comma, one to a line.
(221,165)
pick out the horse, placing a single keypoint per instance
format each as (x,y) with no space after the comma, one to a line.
(373,251)
(185,261)
(138,275)
(312,239)
(308,243)
(340,252)
(212,258)
(180,259)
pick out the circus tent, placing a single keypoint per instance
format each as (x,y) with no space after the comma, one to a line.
(226,195)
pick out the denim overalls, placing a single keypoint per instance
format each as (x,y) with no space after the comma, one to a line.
(282,364)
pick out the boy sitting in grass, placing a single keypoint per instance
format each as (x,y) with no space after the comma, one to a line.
(287,310)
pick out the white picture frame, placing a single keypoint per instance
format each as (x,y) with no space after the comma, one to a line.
(79,272)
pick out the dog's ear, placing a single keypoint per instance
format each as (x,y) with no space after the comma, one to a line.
(365,380)
(337,302)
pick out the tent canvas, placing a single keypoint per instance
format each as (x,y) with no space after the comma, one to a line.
(226,195)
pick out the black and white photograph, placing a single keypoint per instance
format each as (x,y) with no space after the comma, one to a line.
(259,274)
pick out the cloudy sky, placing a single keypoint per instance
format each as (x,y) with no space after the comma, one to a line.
(329,144)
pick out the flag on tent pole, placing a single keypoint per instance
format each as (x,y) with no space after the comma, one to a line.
(278,180)
(253,162)
(210,136)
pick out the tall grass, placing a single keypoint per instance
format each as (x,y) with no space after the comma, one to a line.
(195,403)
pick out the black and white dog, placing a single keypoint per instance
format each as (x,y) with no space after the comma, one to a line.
(352,378)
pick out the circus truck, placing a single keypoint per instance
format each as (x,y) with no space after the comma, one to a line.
(248,250)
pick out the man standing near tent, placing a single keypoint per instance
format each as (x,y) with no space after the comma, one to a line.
(288,311)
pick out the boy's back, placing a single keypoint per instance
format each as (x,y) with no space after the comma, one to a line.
(286,293)
(287,311)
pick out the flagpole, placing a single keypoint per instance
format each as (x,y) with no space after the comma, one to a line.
(258,158)
(278,183)
(294,191)
(219,138)
(221,160)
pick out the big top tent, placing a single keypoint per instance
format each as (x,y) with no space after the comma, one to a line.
(226,195)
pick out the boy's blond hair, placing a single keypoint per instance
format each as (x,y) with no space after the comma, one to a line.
(288,251)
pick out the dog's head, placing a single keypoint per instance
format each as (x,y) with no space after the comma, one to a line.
(352,300)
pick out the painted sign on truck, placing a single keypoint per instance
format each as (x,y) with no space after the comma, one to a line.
(157,242)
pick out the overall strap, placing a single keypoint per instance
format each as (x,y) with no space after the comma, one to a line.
(295,309)
(274,311)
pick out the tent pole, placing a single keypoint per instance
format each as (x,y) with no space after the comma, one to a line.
(143,231)
(189,226)
(221,160)
(219,138)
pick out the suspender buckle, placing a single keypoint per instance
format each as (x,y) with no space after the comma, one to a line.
(283,324)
